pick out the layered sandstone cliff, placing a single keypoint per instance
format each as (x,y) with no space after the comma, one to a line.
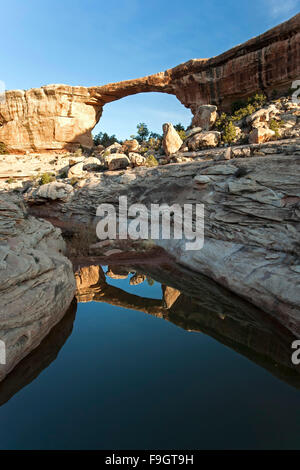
(60,116)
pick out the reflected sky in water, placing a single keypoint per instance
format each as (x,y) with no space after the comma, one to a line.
(126,379)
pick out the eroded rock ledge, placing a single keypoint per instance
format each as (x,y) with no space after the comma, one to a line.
(56,117)
(252,221)
(36,280)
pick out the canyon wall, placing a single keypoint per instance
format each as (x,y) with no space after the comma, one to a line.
(58,117)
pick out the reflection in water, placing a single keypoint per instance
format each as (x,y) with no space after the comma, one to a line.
(195,303)
(189,300)
(32,365)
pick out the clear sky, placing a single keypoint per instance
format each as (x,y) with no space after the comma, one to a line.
(93,42)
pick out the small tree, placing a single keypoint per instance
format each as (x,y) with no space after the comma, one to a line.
(104,139)
(179,127)
(229,133)
(143,132)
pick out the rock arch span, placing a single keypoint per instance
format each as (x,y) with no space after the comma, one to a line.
(56,117)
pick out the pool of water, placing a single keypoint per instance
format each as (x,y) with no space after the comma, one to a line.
(166,374)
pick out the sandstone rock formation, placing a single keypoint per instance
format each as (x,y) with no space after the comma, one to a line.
(171,140)
(251,222)
(36,280)
(260,134)
(205,117)
(60,116)
(205,139)
(117,161)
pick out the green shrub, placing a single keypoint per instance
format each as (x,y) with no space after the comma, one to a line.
(275,126)
(222,121)
(151,161)
(243,112)
(74,180)
(154,143)
(46,178)
(10,180)
(241,108)
(229,133)
(182,134)
(104,139)
(257,100)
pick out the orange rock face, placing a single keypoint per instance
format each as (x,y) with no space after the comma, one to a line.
(60,116)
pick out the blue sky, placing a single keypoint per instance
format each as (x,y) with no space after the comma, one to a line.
(89,42)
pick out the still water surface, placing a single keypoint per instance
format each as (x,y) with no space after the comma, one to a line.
(125,379)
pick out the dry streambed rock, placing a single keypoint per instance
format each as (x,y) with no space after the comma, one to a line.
(36,280)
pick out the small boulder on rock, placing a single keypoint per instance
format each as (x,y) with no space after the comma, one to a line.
(205,117)
(261,134)
(91,163)
(136,159)
(76,170)
(130,145)
(171,140)
(113,148)
(204,139)
(117,161)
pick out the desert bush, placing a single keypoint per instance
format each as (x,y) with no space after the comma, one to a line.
(275,126)
(46,178)
(74,180)
(240,109)
(182,134)
(151,161)
(10,180)
(153,143)
(229,133)
(104,139)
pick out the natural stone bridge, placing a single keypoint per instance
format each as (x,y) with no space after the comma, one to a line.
(60,116)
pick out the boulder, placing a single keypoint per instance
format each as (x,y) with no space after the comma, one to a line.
(53,191)
(261,134)
(205,117)
(36,280)
(130,145)
(171,140)
(113,148)
(91,163)
(76,170)
(194,130)
(136,159)
(117,161)
(73,160)
(204,139)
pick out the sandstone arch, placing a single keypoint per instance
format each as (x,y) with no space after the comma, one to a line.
(56,117)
